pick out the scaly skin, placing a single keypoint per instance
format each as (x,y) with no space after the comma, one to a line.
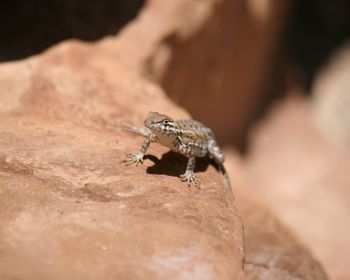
(187,137)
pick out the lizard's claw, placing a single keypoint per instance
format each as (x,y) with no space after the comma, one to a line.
(134,158)
(189,177)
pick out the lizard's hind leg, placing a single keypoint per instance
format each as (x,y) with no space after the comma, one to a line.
(215,152)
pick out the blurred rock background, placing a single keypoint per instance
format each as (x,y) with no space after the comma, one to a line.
(270,77)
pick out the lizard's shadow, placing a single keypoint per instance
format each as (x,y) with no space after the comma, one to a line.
(173,164)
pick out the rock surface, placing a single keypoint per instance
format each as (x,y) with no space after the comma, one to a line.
(331,99)
(218,62)
(272,251)
(305,179)
(69,207)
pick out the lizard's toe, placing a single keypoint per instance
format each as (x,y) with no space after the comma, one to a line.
(134,158)
(190,179)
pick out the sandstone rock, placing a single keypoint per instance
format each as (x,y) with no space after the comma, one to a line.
(271,250)
(331,99)
(69,207)
(219,68)
(305,180)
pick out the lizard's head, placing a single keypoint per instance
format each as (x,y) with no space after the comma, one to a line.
(159,123)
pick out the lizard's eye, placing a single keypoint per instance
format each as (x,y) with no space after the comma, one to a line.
(166,122)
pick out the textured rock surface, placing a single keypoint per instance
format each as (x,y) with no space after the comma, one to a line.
(69,209)
(305,179)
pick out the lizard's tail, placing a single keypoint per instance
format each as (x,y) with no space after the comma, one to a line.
(226,178)
(133,129)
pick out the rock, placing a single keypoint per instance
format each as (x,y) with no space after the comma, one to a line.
(218,62)
(331,99)
(272,251)
(304,178)
(69,207)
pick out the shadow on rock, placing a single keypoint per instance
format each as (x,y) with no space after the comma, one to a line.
(174,164)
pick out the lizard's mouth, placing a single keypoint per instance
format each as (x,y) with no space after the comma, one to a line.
(152,120)
(149,124)
(153,126)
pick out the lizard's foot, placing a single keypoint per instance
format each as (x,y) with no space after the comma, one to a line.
(189,177)
(134,158)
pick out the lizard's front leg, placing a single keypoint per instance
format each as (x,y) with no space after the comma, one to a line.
(138,156)
(188,176)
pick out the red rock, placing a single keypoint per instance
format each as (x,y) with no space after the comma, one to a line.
(69,207)
(304,178)
(272,251)
(331,99)
(217,63)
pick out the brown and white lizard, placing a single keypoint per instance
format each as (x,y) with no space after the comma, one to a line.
(188,137)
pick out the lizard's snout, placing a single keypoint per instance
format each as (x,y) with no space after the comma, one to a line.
(149,120)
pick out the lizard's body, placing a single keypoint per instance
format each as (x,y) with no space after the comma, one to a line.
(188,137)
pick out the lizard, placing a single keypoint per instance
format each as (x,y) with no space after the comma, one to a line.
(188,137)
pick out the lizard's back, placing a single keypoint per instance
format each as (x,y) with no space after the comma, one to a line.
(202,137)
(193,137)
